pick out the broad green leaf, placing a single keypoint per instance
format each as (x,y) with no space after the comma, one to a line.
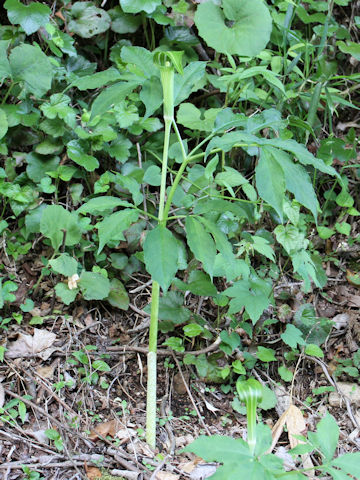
(285,373)
(297,180)
(140,62)
(88,20)
(78,154)
(327,432)
(122,22)
(36,80)
(240,27)
(112,227)
(118,296)
(252,293)
(161,256)
(219,448)
(314,350)
(201,243)
(223,245)
(290,238)
(336,474)
(97,80)
(351,48)
(198,283)
(5,70)
(191,117)
(38,165)
(152,176)
(31,17)
(193,330)
(55,219)
(270,181)
(110,96)
(94,286)
(230,177)
(64,264)
(3,124)
(292,336)
(266,354)
(97,205)
(269,399)
(206,205)
(350,463)
(66,295)
(151,95)
(100,366)
(190,81)
(136,6)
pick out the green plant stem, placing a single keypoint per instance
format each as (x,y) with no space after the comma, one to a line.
(167,80)
(152,370)
(162,215)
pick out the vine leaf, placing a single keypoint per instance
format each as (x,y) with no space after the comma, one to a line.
(239,28)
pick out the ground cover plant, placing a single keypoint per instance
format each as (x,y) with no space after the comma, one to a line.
(199,158)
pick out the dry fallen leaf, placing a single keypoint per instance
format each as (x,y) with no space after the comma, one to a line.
(295,423)
(166,476)
(32,344)
(93,473)
(46,372)
(103,429)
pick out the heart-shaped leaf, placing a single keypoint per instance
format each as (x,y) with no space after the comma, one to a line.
(30,17)
(241,27)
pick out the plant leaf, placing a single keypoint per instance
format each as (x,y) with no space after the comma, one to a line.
(201,244)
(136,6)
(54,220)
(97,205)
(112,227)
(161,256)
(36,80)
(250,26)
(110,96)
(30,17)
(94,286)
(64,264)
(88,20)
(270,181)
(78,155)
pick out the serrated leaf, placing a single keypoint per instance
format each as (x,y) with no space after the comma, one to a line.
(64,264)
(161,256)
(249,31)
(292,336)
(252,293)
(314,350)
(285,373)
(112,227)
(201,244)
(266,354)
(100,366)
(94,286)
(30,17)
